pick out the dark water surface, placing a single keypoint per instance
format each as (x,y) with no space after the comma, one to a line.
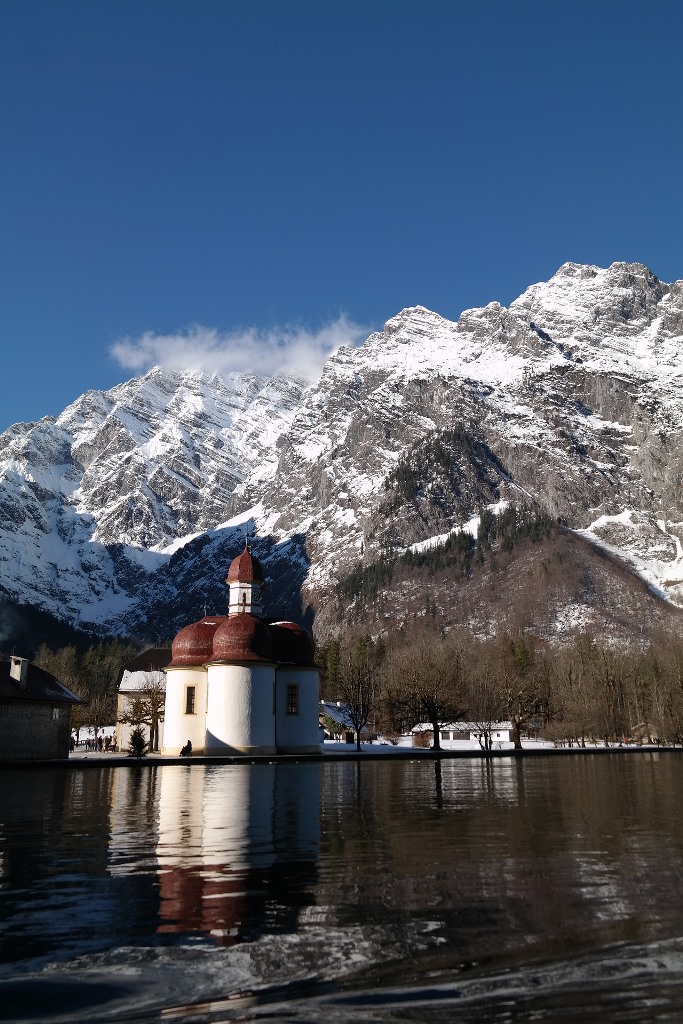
(531,889)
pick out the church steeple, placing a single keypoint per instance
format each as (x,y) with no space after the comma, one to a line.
(245,582)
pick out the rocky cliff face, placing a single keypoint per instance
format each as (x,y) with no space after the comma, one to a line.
(89,500)
(570,400)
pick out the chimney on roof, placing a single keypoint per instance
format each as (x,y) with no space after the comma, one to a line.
(18,669)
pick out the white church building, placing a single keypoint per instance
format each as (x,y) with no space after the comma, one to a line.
(238,684)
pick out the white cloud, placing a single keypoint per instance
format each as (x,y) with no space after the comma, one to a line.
(289,349)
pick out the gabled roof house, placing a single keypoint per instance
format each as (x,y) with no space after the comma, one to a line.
(35,712)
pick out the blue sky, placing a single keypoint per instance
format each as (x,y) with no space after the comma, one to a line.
(246,183)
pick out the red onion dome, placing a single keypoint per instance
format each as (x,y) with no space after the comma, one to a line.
(245,569)
(242,637)
(193,645)
(291,643)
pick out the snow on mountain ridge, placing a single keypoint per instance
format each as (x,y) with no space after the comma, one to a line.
(602,311)
(556,408)
(572,397)
(152,459)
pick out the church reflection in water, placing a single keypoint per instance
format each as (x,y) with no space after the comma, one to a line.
(237,848)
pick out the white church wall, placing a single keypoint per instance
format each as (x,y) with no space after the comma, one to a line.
(185,718)
(240,709)
(297,732)
(244,597)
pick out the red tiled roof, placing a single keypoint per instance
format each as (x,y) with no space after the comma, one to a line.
(291,643)
(193,645)
(242,638)
(245,569)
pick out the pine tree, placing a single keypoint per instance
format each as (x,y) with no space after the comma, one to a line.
(138,743)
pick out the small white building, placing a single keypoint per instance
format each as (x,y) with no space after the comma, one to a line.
(464,732)
(238,684)
(144,672)
(337,712)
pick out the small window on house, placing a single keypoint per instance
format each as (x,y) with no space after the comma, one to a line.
(445,735)
(4,710)
(190,700)
(292,699)
(55,714)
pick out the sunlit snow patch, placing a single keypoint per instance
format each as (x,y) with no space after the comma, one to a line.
(653,553)
(471,527)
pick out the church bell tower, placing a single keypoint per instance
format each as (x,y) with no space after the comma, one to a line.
(245,583)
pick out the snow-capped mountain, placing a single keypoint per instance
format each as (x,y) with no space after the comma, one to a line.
(575,392)
(90,497)
(571,399)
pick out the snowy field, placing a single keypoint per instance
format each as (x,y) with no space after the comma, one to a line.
(382,746)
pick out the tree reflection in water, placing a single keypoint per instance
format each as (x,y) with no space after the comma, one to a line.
(358,872)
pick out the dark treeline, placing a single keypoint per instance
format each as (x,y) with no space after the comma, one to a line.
(458,454)
(28,627)
(93,674)
(587,690)
(459,551)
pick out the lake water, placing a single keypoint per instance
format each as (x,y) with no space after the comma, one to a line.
(502,890)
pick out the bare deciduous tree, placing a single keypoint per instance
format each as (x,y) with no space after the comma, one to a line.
(486,697)
(358,684)
(147,707)
(426,680)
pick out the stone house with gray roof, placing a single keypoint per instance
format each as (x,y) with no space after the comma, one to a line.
(35,712)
